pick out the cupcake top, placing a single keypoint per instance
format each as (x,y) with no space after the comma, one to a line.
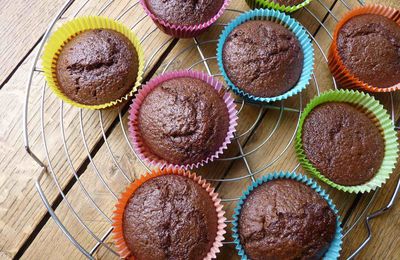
(369,46)
(262,58)
(183,121)
(184,12)
(288,2)
(97,66)
(170,217)
(343,143)
(285,219)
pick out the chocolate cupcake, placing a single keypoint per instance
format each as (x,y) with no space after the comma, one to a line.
(369,46)
(285,217)
(182,18)
(365,52)
(169,214)
(343,143)
(184,12)
(97,66)
(281,5)
(182,119)
(346,138)
(265,56)
(93,62)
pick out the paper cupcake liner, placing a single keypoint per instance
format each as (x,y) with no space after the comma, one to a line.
(118,213)
(342,75)
(253,4)
(291,24)
(382,119)
(334,249)
(183,31)
(147,156)
(68,31)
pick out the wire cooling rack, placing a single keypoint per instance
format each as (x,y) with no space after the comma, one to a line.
(207,63)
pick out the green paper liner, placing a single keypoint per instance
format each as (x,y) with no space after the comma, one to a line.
(382,119)
(253,4)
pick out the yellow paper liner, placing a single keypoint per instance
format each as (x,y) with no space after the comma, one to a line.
(342,75)
(67,32)
(118,234)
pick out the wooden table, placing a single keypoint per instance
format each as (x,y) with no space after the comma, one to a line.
(27,230)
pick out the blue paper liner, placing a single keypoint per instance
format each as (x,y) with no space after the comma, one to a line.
(291,24)
(336,245)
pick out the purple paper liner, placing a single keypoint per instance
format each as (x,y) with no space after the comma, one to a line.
(140,148)
(183,31)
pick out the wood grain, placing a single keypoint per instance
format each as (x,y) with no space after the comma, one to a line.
(19,19)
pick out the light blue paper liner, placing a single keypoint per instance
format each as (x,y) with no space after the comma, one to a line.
(291,24)
(336,245)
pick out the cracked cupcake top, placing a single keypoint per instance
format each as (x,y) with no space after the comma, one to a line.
(285,219)
(97,67)
(343,143)
(183,121)
(170,217)
(369,46)
(263,58)
(288,2)
(184,12)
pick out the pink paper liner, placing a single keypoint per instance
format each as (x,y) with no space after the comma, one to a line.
(118,213)
(140,148)
(183,31)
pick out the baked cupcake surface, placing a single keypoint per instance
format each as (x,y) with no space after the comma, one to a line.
(288,2)
(369,46)
(285,219)
(183,12)
(183,121)
(262,58)
(170,217)
(343,143)
(97,66)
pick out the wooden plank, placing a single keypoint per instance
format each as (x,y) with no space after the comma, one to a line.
(19,19)
(50,241)
(21,208)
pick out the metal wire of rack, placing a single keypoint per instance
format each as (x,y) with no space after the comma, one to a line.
(205,62)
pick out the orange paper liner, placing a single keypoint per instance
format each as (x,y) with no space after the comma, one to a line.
(342,75)
(118,235)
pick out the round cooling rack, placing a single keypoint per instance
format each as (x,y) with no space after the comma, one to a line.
(204,46)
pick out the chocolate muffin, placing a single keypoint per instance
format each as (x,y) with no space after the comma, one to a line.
(183,121)
(184,12)
(170,217)
(286,219)
(288,2)
(262,58)
(343,143)
(97,66)
(369,46)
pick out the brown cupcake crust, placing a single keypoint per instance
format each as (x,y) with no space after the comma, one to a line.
(288,2)
(170,217)
(183,121)
(97,66)
(184,12)
(263,58)
(343,143)
(286,219)
(369,46)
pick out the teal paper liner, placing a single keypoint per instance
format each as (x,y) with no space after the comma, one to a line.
(336,245)
(291,24)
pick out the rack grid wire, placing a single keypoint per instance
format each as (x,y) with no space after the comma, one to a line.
(206,62)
